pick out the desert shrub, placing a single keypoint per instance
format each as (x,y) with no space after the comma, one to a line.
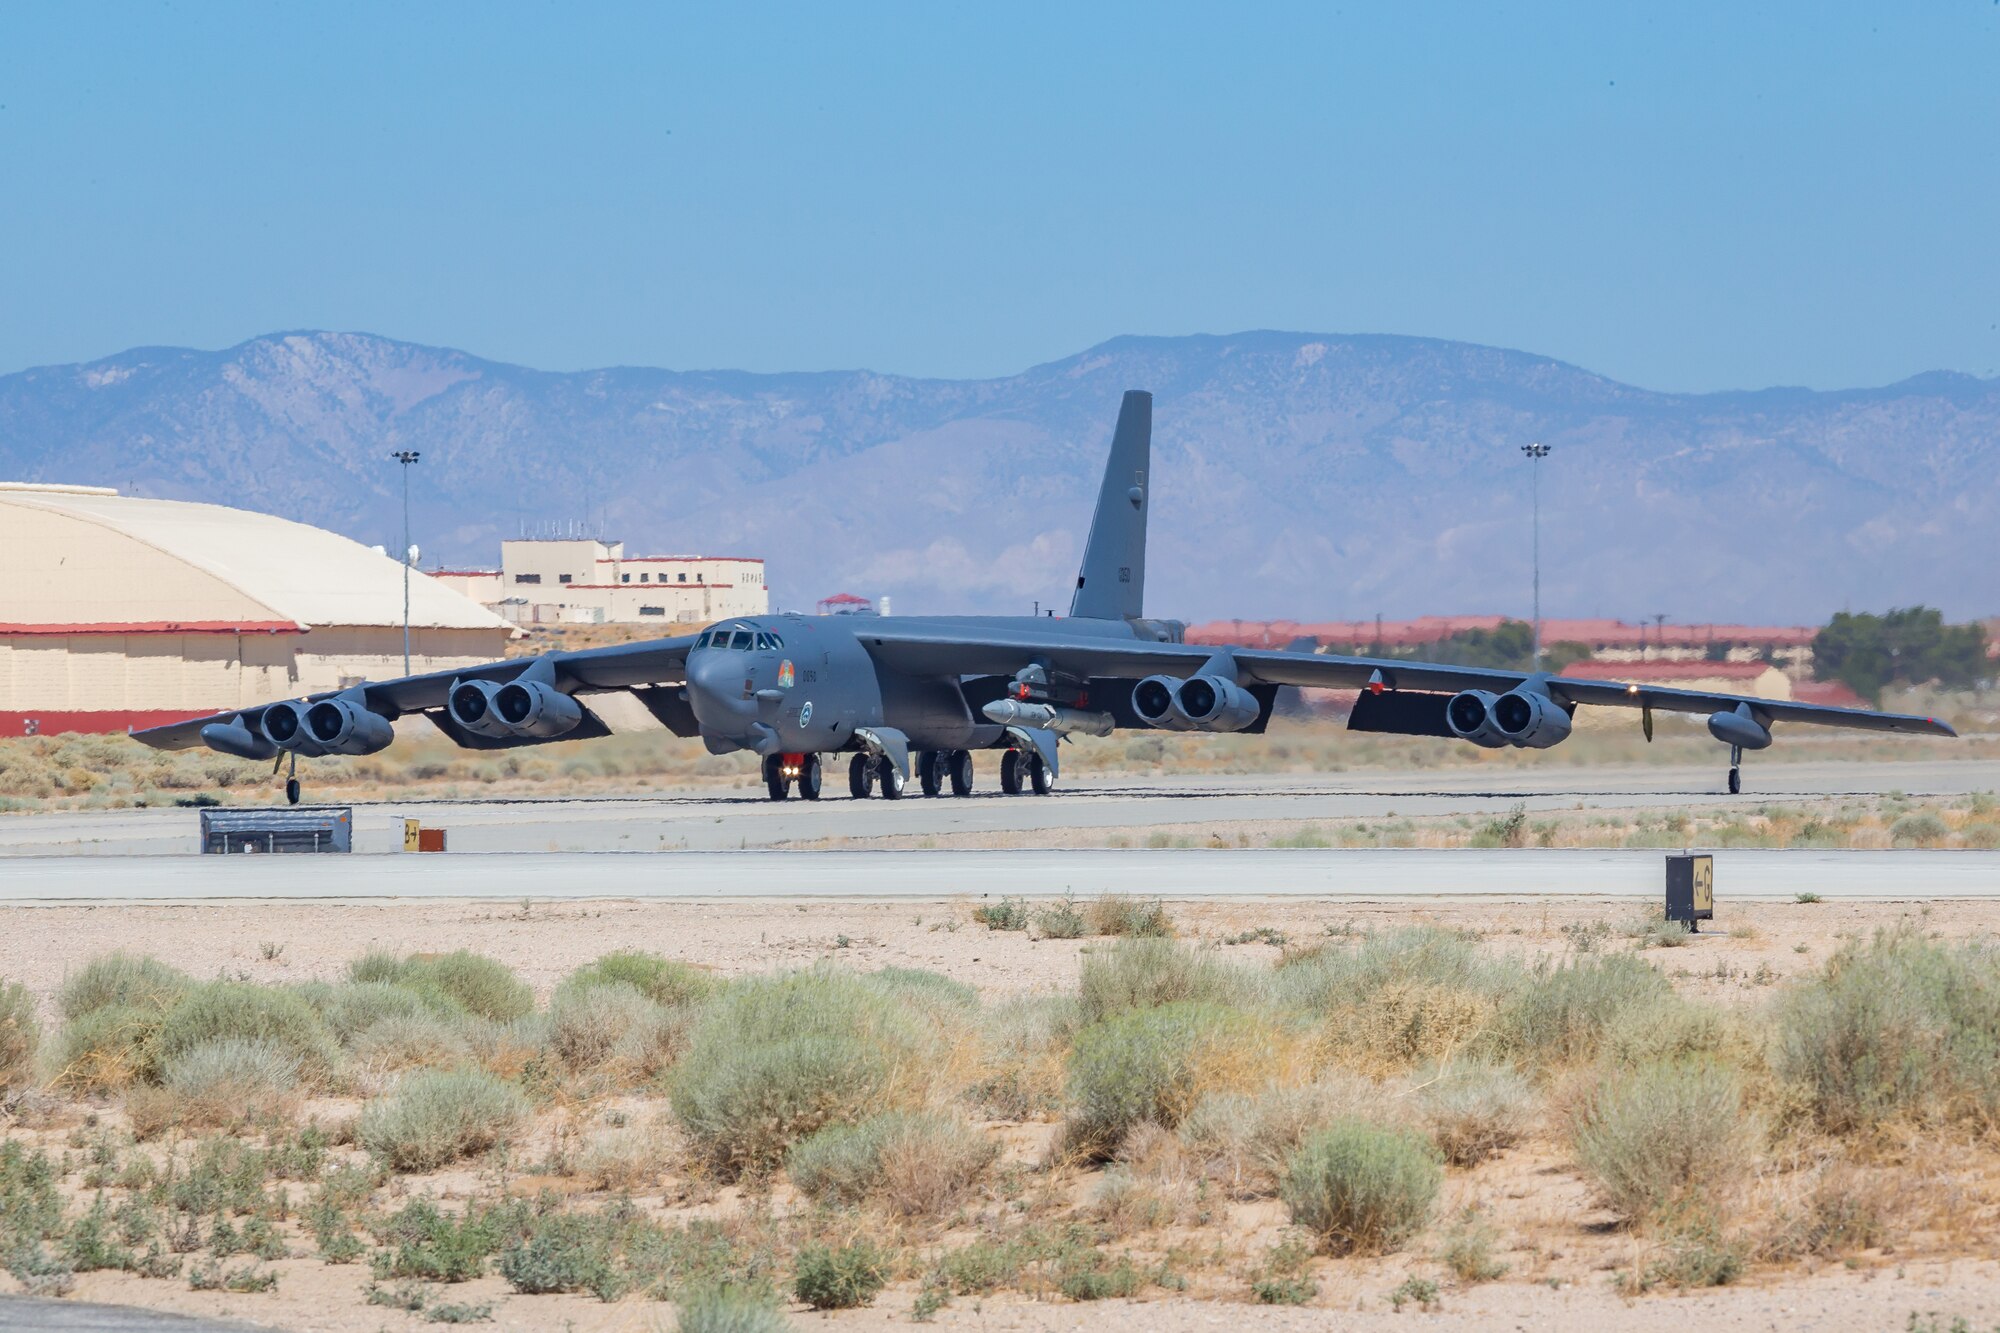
(229,1081)
(564,1252)
(1087,1274)
(1839,1211)
(354,1007)
(1697,1254)
(121,979)
(1244,1139)
(422,1242)
(436,1116)
(1025,1042)
(586,1025)
(1062,921)
(843,1277)
(1007,914)
(20,1036)
(772,1059)
(1898,1026)
(417,1040)
(1285,1276)
(1561,1015)
(926,990)
(1664,1137)
(1475,1109)
(917,1163)
(107,1049)
(1153,1065)
(661,980)
(1401,997)
(460,980)
(625,1158)
(224,1009)
(1361,1188)
(728,1308)
(1142,973)
(1677,1029)
(1919,830)
(1467,1248)
(1115,914)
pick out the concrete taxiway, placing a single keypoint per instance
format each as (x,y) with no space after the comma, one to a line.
(1364,873)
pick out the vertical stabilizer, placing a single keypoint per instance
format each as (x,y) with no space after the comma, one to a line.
(1112,583)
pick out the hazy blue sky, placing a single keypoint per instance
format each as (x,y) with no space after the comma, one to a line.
(1685,197)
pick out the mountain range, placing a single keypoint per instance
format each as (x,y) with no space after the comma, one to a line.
(1302,475)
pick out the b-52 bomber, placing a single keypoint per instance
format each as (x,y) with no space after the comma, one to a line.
(917,697)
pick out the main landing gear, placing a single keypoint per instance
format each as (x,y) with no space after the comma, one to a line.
(781,771)
(292,789)
(935,771)
(1025,768)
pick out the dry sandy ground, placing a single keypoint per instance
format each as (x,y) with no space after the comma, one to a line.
(1560,1246)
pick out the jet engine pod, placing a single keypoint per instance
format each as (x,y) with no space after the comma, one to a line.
(1531,721)
(284,725)
(470,703)
(530,708)
(1153,701)
(1739,727)
(340,726)
(1470,717)
(1215,703)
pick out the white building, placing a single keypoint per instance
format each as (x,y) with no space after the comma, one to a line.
(586,581)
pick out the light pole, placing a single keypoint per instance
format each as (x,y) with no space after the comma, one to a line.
(1536,452)
(406,457)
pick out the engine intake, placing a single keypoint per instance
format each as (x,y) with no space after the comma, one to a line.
(284,725)
(1470,717)
(340,726)
(530,708)
(470,704)
(1531,721)
(1215,703)
(1153,699)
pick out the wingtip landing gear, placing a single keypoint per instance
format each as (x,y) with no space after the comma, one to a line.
(1735,770)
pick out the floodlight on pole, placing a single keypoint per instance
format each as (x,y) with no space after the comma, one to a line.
(1536,452)
(406,457)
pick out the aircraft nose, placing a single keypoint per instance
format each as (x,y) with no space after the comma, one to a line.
(715,688)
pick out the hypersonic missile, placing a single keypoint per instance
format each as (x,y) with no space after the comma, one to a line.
(1048,717)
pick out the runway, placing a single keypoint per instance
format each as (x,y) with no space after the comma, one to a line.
(740,819)
(1318,873)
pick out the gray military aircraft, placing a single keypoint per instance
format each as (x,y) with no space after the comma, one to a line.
(919,695)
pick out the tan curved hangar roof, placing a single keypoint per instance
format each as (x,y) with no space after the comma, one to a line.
(83,555)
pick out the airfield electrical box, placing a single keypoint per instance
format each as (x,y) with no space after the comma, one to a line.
(1691,889)
(417,838)
(328,828)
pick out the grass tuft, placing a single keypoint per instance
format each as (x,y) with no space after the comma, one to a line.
(435,1117)
(1361,1188)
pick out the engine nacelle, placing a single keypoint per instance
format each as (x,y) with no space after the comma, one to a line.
(1153,700)
(284,725)
(1215,703)
(1739,727)
(340,726)
(470,704)
(237,739)
(530,708)
(1531,721)
(1470,717)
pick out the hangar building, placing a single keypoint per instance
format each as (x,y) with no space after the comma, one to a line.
(584,581)
(120,612)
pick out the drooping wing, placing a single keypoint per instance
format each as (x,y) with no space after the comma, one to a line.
(595,670)
(1001,652)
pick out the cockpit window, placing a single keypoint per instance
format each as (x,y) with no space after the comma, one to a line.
(701,639)
(740,639)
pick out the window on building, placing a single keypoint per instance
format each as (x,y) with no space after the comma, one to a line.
(527,578)
(562,578)
(684,578)
(652,610)
(645,578)
(624,578)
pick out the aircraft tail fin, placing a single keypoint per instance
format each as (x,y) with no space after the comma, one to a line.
(1112,583)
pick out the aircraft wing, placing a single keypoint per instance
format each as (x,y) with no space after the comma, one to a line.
(594,670)
(930,652)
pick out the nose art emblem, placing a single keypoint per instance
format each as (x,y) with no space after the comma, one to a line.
(785,674)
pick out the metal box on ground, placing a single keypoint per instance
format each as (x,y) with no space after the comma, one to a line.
(1691,889)
(417,838)
(327,828)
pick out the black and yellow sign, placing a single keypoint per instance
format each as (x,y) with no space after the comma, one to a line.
(1691,889)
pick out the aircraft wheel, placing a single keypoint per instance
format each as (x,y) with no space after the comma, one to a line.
(774,777)
(960,771)
(930,771)
(1010,772)
(291,791)
(860,779)
(1735,782)
(809,778)
(1039,776)
(892,779)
